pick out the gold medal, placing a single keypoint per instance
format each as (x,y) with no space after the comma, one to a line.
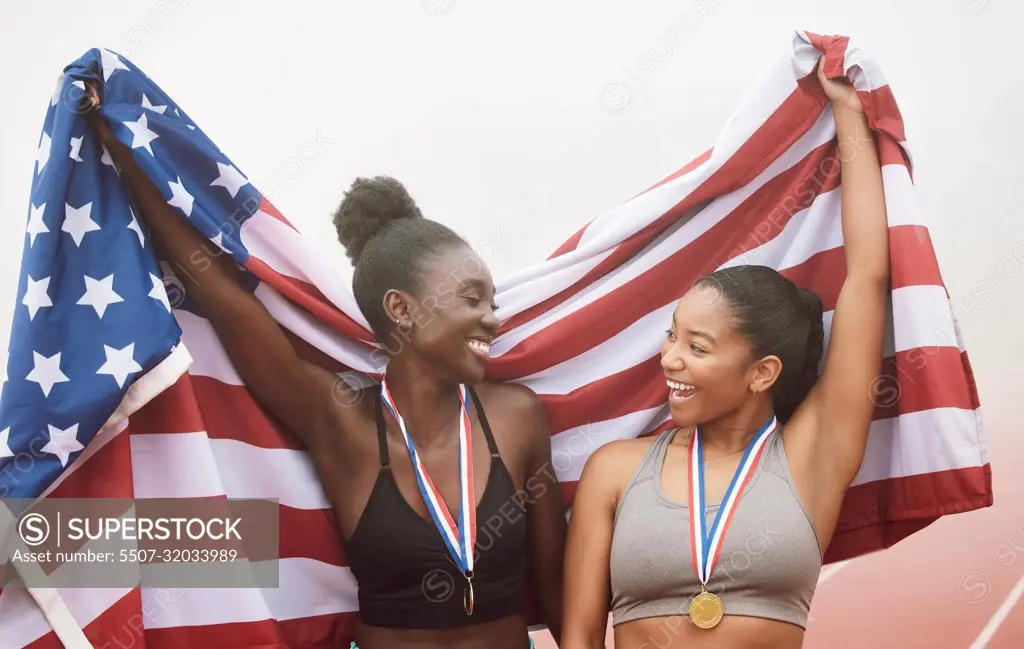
(706,610)
(467,595)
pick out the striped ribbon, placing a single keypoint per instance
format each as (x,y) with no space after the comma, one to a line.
(707,544)
(460,538)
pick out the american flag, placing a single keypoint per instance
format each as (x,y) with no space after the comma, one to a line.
(116,385)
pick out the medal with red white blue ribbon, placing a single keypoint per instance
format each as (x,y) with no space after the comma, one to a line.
(459,537)
(706,609)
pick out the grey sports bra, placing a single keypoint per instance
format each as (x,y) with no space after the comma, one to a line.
(770,557)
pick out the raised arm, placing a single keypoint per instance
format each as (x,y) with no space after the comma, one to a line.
(840,404)
(296,392)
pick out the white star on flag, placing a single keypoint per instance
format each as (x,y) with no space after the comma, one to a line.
(106,159)
(180,197)
(46,372)
(76,149)
(134,225)
(99,294)
(155,109)
(141,135)
(159,292)
(35,223)
(59,90)
(119,363)
(230,179)
(77,222)
(5,445)
(111,63)
(63,442)
(218,240)
(43,152)
(36,296)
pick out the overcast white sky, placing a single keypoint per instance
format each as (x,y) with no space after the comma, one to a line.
(491,113)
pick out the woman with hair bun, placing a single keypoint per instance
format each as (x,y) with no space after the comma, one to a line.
(439,547)
(712,534)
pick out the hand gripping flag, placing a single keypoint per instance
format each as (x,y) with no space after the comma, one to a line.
(116,385)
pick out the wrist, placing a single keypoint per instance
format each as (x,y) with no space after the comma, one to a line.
(851,121)
(847,105)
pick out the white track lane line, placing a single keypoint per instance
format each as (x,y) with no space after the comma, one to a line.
(1000,615)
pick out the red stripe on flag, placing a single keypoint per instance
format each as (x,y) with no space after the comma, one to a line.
(334,630)
(268,207)
(685,169)
(875,515)
(913,264)
(883,113)
(635,389)
(312,300)
(912,257)
(119,625)
(311,534)
(572,242)
(107,474)
(921,379)
(892,154)
(198,403)
(311,354)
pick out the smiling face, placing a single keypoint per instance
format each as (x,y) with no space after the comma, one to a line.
(707,363)
(452,315)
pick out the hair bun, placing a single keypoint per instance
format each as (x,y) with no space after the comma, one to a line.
(368,207)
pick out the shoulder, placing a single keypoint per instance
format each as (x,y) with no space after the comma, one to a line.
(517,404)
(612,465)
(513,398)
(619,455)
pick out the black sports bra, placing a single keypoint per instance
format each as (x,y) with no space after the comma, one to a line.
(407,579)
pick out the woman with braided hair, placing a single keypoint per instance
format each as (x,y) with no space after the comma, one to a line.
(763,450)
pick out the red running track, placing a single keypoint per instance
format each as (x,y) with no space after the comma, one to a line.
(958,583)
